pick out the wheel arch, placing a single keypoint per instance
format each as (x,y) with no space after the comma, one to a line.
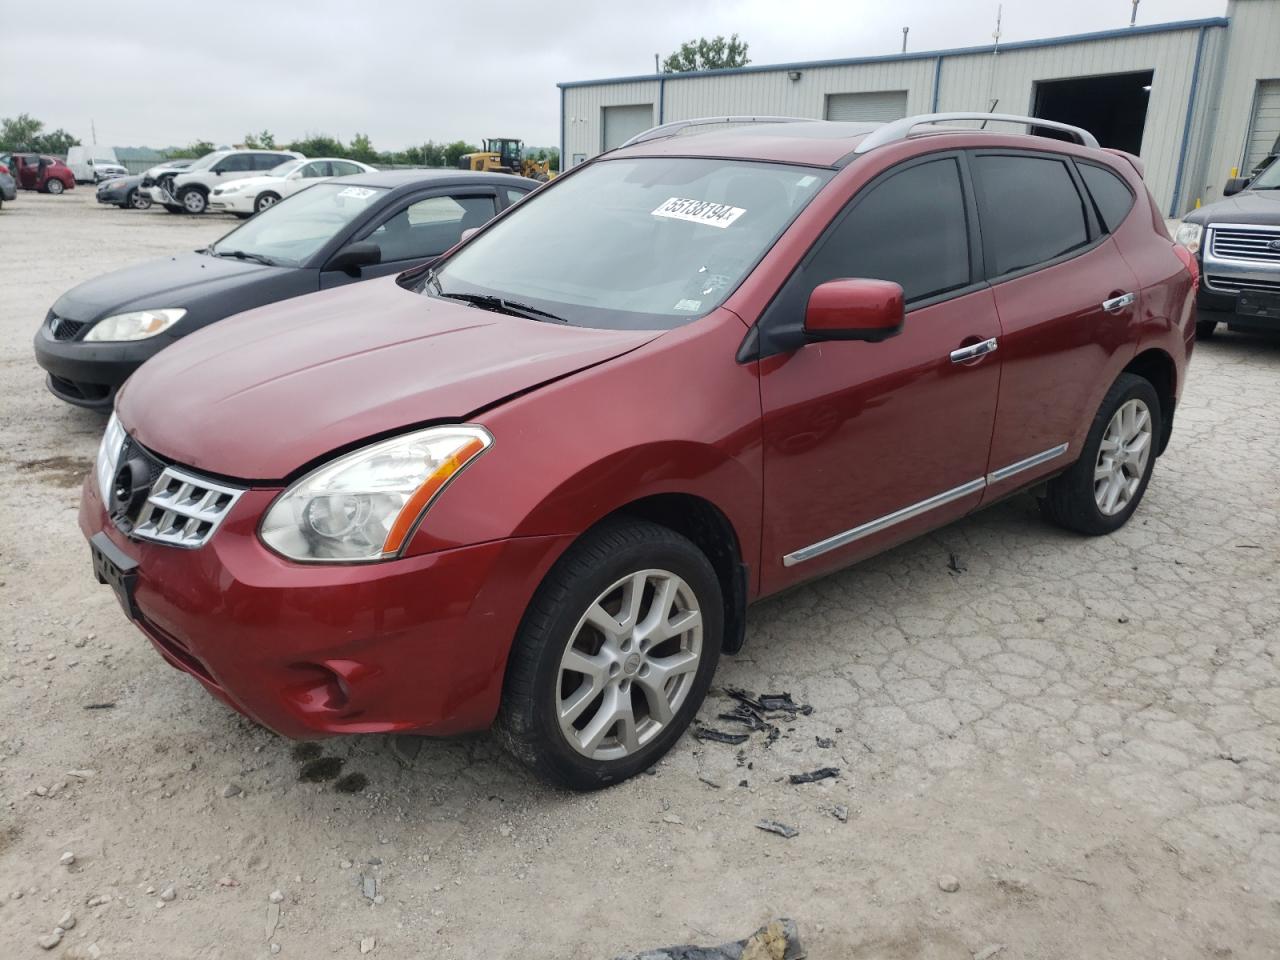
(1157,368)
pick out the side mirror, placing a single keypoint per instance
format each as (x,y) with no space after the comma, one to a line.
(1234,186)
(854,310)
(362,253)
(468,233)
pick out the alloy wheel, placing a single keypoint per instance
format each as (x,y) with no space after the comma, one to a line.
(54,186)
(1122,457)
(139,200)
(193,201)
(629,665)
(266,201)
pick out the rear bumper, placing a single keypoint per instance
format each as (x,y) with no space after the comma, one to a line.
(417,644)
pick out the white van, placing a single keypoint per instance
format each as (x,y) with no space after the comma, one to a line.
(84,161)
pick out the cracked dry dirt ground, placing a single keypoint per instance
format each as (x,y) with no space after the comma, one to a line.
(1086,733)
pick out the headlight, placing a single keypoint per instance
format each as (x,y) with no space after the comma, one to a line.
(365,505)
(109,457)
(231,188)
(136,325)
(1189,235)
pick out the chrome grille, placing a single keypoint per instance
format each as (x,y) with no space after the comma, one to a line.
(63,329)
(183,509)
(1236,284)
(1238,243)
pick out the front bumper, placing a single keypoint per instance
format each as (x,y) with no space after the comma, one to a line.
(416,644)
(115,197)
(89,374)
(241,202)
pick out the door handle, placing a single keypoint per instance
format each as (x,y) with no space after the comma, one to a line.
(1116,304)
(973,351)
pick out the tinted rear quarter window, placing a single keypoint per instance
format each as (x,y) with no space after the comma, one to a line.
(1110,195)
(909,228)
(1030,211)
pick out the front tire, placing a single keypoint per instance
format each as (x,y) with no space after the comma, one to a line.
(613,657)
(1101,490)
(193,200)
(1205,329)
(54,187)
(264,200)
(138,200)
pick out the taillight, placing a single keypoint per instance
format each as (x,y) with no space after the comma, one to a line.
(1189,261)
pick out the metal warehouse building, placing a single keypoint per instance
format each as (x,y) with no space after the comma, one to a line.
(1194,99)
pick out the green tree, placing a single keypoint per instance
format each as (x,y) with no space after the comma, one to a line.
(58,141)
(20,132)
(266,140)
(453,152)
(361,149)
(319,145)
(433,154)
(197,148)
(703,54)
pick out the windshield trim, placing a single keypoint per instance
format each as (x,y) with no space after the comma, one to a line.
(646,321)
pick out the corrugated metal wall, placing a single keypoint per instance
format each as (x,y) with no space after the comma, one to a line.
(1197,117)
(1252,54)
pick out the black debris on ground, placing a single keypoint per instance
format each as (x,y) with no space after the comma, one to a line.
(824,743)
(718,736)
(777,940)
(306,751)
(956,565)
(351,783)
(320,769)
(813,776)
(781,829)
(100,706)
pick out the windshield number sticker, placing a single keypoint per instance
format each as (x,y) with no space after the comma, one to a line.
(357,193)
(689,305)
(699,211)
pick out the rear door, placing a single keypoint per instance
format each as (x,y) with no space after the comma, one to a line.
(868,444)
(1065,298)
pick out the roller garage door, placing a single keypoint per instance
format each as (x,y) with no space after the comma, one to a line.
(1265,125)
(880,106)
(623,123)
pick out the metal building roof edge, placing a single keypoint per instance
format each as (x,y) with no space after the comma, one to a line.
(1173,27)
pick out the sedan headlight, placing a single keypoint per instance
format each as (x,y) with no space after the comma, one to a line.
(109,458)
(231,188)
(136,325)
(1189,235)
(365,505)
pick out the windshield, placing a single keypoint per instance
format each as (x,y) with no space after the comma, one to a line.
(207,161)
(645,243)
(290,232)
(1268,179)
(284,169)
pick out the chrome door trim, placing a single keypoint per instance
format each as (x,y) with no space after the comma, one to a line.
(882,523)
(1119,303)
(1044,456)
(974,351)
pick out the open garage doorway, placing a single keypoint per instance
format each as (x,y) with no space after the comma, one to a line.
(1113,106)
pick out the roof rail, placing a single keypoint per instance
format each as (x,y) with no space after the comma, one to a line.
(675,126)
(901,129)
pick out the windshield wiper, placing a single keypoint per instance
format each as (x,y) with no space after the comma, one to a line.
(245,255)
(486,301)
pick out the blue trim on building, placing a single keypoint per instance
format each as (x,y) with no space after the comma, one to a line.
(937,84)
(1186,127)
(923,55)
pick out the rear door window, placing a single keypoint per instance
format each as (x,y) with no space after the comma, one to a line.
(1111,195)
(1030,210)
(909,228)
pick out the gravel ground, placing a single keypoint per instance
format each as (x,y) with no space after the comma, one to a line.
(1082,735)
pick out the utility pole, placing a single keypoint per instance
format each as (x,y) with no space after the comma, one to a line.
(1133,17)
(905,31)
(656,68)
(93,132)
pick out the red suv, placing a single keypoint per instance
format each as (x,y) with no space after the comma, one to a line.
(536,484)
(35,171)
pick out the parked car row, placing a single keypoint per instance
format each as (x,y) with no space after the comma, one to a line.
(38,171)
(533,482)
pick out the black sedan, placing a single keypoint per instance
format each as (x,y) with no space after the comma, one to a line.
(336,232)
(123,192)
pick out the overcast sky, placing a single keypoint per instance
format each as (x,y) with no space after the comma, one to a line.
(406,71)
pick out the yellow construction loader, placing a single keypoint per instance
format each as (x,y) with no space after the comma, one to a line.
(503,155)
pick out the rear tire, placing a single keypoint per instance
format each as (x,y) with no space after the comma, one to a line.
(1101,490)
(642,683)
(1205,329)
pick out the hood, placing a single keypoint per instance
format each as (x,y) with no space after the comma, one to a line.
(173,282)
(1251,206)
(262,394)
